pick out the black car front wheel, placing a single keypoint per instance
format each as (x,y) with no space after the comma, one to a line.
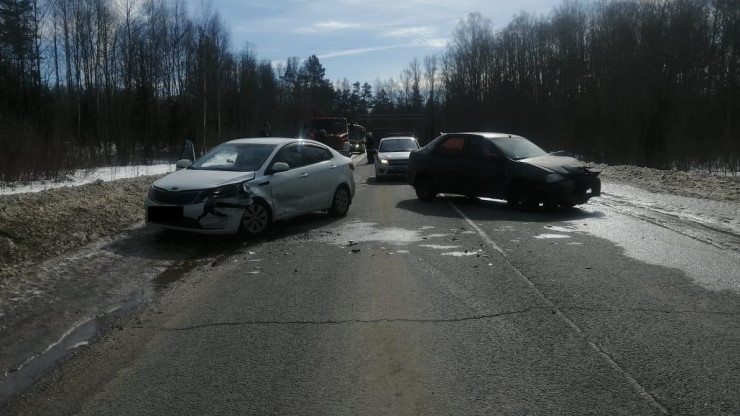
(425,189)
(522,197)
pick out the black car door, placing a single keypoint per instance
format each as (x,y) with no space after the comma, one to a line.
(488,164)
(449,165)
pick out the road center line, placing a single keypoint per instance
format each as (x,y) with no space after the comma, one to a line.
(636,386)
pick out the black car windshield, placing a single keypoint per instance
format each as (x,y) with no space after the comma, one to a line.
(237,157)
(398,145)
(518,148)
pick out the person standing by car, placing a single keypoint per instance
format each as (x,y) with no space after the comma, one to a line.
(265,132)
(369,148)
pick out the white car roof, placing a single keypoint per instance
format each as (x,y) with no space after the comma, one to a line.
(398,137)
(490,135)
(273,140)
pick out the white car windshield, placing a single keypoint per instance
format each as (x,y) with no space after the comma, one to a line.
(237,157)
(398,145)
(517,149)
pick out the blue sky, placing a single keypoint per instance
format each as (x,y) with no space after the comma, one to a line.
(360,40)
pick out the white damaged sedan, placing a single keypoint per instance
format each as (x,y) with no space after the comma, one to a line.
(244,185)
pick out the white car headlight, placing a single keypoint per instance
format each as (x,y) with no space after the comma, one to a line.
(554,177)
(383,161)
(226,191)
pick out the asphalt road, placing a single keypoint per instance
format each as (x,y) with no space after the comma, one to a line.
(452,307)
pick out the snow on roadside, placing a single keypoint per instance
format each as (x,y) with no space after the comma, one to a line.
(714,222)
(85,176)
(691,184)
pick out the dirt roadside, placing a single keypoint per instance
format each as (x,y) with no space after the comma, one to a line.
(689,184)
(38,226)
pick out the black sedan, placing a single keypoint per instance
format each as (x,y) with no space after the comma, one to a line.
(500,166)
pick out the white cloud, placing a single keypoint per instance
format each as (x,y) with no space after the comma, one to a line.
(430,43)
(418,31)
(434,42)
(325,27)
(358,51)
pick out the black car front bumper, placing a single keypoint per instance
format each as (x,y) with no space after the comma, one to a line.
(573,191)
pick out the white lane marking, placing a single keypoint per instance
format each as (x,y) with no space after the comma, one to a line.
(480,232)
(636,386)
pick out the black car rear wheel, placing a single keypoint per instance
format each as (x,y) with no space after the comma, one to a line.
(425,189)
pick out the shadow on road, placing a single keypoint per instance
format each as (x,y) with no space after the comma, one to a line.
(388,181)
(160,244)
(487,210)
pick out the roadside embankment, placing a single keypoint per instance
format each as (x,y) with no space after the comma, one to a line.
(38,226)
(691,184)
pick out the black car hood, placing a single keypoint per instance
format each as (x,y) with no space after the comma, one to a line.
(563,165)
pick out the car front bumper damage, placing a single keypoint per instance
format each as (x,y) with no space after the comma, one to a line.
(572,191)
(215,216)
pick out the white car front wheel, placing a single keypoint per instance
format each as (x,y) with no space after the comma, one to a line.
(256,219)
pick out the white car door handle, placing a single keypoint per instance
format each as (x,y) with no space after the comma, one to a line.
(333,167)
(304,175)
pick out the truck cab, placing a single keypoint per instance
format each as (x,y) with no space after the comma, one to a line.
(337,133)
(357,135)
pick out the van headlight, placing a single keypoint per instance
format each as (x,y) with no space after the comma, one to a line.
(383,161)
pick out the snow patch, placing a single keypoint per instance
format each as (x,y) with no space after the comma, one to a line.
(550,236)
(85,176)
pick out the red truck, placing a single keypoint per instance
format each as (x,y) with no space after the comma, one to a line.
(337,132)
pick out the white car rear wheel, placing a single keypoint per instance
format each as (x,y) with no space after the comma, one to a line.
(340,202)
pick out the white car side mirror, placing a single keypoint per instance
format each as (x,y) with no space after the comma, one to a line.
(182,164)
(279,167)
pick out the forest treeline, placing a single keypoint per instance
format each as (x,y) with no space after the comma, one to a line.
(85,83)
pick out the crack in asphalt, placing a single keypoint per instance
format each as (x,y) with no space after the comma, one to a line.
(638,388)
(361,321)
(445,320)
(665,311)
